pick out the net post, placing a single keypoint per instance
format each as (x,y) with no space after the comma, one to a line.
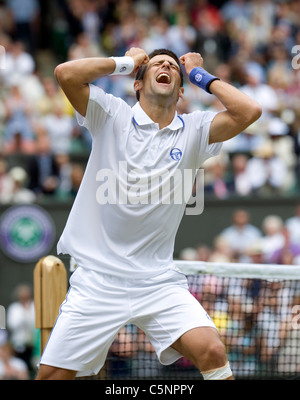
(50,288)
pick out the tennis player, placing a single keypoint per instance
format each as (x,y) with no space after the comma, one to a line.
(123,245)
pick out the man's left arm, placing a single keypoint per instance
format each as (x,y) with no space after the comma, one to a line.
(240,110)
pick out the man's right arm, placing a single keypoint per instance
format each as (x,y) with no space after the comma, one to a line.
(74,77)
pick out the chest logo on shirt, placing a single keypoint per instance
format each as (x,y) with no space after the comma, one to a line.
(176,154)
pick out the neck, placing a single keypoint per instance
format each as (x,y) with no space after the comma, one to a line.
(161,114)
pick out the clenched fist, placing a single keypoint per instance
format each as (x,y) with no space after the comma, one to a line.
(139,56)
(190,61)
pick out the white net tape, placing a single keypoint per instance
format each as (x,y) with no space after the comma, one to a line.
(240,270)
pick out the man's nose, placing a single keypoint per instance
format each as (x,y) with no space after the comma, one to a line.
(166,64)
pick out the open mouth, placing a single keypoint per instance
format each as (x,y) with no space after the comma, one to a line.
(163,78)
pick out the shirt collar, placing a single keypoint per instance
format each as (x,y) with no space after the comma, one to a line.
(141,118)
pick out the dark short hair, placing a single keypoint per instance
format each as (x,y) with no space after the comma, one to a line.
(141,71)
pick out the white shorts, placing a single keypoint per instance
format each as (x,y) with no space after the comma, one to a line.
(98,306)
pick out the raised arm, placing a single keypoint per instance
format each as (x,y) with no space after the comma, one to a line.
(74,77)
(241,111)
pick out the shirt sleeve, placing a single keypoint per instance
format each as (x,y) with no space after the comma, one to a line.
(202,121)
(101,106)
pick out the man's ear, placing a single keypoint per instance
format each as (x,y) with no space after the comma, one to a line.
(181,93)
(138,85)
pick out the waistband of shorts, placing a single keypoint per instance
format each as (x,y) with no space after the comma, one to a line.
(171,268)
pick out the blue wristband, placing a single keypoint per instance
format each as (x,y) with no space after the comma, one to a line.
(201,78)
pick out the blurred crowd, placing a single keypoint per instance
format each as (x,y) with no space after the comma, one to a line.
(277,241)
(252,44)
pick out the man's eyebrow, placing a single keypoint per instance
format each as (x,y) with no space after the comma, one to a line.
(169,61)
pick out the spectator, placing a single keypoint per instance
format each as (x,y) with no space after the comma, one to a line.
(25,15)
(269,322)
(6,20)
(279,70)
(121,352)
(158,34)
(6,182)
(20,194)
(148,365)
(42,168)
(273,239)
(237,11)
(64,167)
(212,301)
(293,226)
(60,129)
(288,253)
(19,64)
(246,142)
(221,252)
(260,25)
(283,146)
(181,36)
(243,340)
(91,22)
(77,172)
(289,352)
(266,171)
(19,135)
(219,185)
(205,15)
(188,254)
(50,97)
(241,182)
(241,234)
(254,253)
(203,251)
(83,48)
(21,324)
(263,93)
(11,367)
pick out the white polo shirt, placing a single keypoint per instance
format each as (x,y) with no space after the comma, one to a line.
(131,200)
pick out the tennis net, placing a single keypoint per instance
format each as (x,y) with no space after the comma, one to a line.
(256,309)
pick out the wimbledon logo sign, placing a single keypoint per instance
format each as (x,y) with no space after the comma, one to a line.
(27,233)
